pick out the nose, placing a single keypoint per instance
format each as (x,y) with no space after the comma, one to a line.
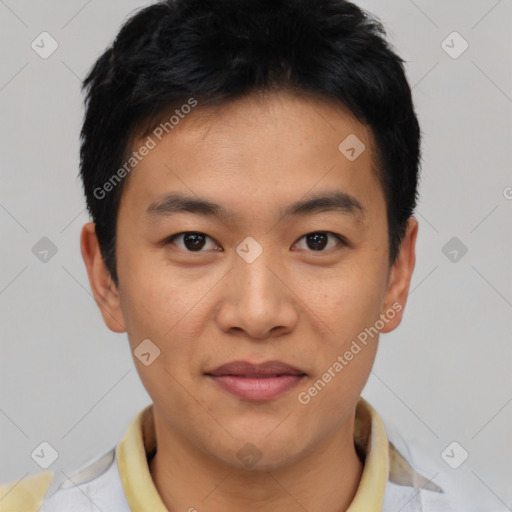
(260,302)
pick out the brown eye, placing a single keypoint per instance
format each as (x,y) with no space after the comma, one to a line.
(319,240)
(191,241)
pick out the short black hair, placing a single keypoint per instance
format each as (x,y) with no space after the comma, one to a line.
(216,51)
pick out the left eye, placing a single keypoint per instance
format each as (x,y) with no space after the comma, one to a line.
(318,240)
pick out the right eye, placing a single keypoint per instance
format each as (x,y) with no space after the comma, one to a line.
(191,241)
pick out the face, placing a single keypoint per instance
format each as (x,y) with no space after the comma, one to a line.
(268,275)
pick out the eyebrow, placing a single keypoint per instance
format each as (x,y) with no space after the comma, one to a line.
(328,201)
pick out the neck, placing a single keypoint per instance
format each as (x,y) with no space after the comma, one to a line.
(326,479)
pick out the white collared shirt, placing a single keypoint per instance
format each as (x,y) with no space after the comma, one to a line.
(120,480)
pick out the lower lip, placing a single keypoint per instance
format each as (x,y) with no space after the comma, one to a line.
(257,389)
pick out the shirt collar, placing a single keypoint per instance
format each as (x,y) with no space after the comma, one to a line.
(140,441)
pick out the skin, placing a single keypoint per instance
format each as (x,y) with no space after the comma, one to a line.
(293,304)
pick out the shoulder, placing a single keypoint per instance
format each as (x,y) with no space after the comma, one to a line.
(25,495)
(96,486)
(431,484)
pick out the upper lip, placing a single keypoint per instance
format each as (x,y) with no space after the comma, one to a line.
(246,369)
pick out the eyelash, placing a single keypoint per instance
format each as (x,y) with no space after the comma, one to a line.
(342,241)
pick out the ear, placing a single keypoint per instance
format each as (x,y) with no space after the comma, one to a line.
(400,277)
(103,288)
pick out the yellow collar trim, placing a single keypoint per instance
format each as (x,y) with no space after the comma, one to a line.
(131,454)
(370,437)
(140,440)
(27,494)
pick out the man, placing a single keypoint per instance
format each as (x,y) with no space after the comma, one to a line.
(251,170)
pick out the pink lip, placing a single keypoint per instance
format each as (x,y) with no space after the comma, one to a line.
(257,389)
(256,382)
(246,369)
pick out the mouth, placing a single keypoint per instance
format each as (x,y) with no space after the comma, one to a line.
(256,382)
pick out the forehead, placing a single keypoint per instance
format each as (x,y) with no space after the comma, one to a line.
(274,148)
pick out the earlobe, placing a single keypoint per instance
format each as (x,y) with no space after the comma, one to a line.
(400,277)
(103,288)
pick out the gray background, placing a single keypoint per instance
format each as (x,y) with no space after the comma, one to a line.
(442,376)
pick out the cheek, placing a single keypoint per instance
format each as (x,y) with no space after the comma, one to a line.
(155,310)
(351,307)
(149,292)
(353,295)
(157,306)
